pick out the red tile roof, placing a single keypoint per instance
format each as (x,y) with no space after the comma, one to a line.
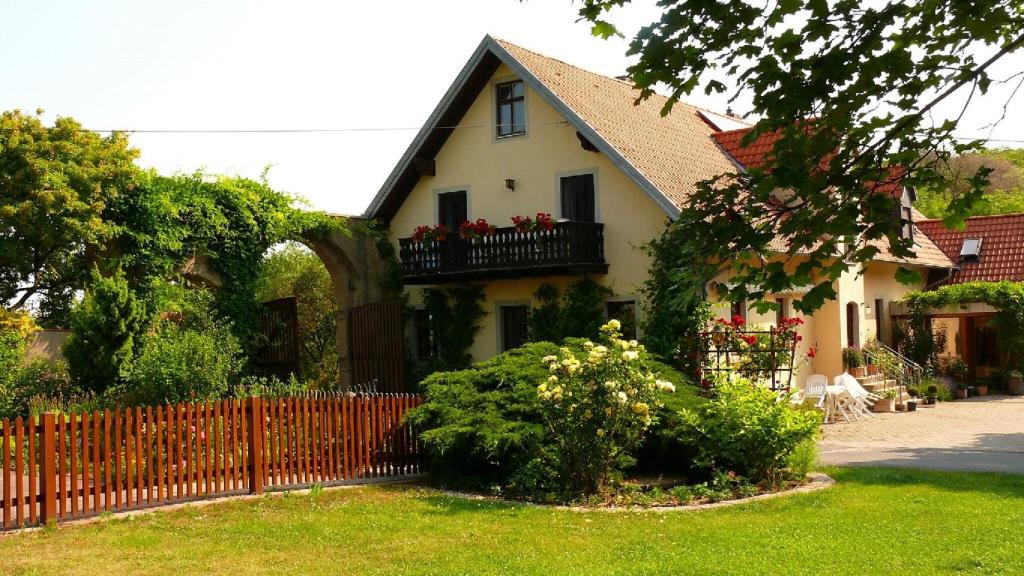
(1002,247)
(755,155)
(752,155)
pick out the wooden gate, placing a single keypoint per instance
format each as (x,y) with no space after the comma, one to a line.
(378,345)
(278,354)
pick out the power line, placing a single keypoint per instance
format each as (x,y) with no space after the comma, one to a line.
(304,130)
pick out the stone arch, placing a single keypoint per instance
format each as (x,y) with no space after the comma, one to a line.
(356,270)
(353,264)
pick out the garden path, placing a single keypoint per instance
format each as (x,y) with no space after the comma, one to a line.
(979,434)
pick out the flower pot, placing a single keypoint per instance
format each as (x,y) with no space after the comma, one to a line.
(1015,386)
(901,407)
(961,393)
(931,400)
(982,389)
(884,405)
(911,405)
(872,369)
(857,372)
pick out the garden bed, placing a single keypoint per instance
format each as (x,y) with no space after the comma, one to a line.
(629,502)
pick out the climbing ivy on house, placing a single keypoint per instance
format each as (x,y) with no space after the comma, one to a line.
(578,314)
(1006,297)
(455,314)
(676,308)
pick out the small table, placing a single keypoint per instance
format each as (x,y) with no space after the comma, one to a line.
(834,395)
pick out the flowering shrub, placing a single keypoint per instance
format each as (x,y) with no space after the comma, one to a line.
(755,352)
(748,430)
(597,406)
(542,222)
(430,234)
(469,230)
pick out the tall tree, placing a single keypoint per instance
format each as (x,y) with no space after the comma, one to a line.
(54,184)
(847,90)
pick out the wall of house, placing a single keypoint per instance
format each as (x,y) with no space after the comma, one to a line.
(880,283)
(474,160)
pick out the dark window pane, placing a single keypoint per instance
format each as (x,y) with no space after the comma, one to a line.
(452,209)
(783,312)
(578,198)
(625,313)
(518,117)
(513,326)
(510,116)
(738,308)
(424,335)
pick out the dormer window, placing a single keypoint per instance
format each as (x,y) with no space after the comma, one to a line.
(511,113)
(908,224)
(971,250)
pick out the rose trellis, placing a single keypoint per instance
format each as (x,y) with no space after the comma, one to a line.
(766,355)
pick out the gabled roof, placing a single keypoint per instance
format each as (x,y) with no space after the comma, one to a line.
(1002,247)
(756,154)
(665,155)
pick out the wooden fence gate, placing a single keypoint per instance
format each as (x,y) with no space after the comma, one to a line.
(59,467)
(378,345)
(278,354)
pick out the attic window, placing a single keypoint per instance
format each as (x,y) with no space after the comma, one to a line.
(971,250)
(511,112)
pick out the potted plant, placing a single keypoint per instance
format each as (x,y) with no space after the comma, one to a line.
(911,405)
(962,391)
(932,395)
(1015,382)
(871,367)
(853,359)
(887,401)
(981,388)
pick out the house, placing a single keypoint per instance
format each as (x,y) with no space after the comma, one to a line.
(988,249)
(519,133)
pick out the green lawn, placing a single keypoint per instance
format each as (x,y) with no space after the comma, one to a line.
(873,522)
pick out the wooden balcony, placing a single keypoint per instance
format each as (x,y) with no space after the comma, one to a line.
(571,248)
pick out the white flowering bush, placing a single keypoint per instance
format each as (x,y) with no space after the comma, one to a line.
(597,404)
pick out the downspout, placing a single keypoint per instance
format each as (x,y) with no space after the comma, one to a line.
(949,274)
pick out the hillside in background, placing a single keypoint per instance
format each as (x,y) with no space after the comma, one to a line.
(1005,194)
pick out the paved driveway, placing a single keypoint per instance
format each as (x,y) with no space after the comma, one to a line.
(982,433)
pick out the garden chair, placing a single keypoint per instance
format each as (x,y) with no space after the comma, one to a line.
(860,397)
(815,387)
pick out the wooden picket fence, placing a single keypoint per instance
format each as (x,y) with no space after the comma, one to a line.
(60,467)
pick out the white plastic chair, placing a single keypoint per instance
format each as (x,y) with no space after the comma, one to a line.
(859,406)
(815,387)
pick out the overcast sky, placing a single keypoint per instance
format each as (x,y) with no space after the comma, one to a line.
(235,64)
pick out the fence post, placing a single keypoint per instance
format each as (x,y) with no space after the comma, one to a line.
(256,433)
(48,468)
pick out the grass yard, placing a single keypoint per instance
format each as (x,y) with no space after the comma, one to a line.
(875,521)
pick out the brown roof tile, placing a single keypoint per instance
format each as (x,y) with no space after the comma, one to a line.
(673,152)
(1002,247)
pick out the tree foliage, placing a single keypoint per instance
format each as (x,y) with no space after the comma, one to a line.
(55,183)
(849,90)
(295,271)
(1004,193)
(105,328)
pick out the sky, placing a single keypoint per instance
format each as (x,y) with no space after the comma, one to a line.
(240,64)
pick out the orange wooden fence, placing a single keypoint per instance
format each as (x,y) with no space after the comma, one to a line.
(58,467)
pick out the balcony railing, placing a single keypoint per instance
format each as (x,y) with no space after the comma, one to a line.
(569,248)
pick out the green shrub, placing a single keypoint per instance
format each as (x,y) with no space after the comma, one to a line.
(179,364)
(104,329)
(39,386)
(483,427)
(745,429)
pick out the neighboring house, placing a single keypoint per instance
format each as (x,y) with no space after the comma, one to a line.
(520,133)
(988,249)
